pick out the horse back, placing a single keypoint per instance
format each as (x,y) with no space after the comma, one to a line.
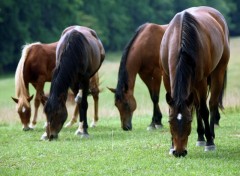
(144,52)
(213,35)
(212,40)
(41,61)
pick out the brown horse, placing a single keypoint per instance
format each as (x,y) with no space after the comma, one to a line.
(194,55)
(36,66)
(141,56)
(79,55)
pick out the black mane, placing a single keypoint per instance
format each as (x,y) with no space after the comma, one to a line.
(185,70)
(71,64)
(122,85)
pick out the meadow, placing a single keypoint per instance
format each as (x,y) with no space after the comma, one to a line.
(110,150)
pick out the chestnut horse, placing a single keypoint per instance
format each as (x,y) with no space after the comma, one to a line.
(141,56)
(79,55)
(36,66)
(194,55)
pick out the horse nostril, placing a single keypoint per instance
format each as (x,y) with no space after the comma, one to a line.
(127,128)
(183,154)
(53,137)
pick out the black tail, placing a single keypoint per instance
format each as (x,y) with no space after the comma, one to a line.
(185,71)
(72,60)
(122,73)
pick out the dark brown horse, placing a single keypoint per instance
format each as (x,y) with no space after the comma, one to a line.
(194,55)
(36,66)
(141,56)
(79,55)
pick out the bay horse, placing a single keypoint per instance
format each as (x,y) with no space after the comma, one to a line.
(36,66)
(79,55)
(140,56)
(194,55)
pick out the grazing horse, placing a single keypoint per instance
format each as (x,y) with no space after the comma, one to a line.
(141,55)
(79,55)
(36,66)
(194,55)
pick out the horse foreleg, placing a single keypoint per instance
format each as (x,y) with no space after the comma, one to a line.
(39,92)
(83,125)
(74,118)
(200,129)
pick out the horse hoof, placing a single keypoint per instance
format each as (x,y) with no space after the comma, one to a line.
(151,128)
(201,143)
(81,134)
(210,148)
(32,126)
(69,124)
(27,129)
(158,126)
(93,125)
(44,137)
(84,135)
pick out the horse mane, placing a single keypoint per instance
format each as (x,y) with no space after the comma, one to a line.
(20,88)
(71,61)
(185,69)
(122,85)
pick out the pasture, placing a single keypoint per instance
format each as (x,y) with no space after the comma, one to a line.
(111,151)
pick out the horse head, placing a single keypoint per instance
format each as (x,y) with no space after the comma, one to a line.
(180,118)
(56,112)
(126,106)
(24,110)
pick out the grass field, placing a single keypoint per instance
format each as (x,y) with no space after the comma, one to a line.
(111,151)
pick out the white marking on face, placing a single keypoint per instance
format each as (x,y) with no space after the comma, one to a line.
(179,117)
(23,109)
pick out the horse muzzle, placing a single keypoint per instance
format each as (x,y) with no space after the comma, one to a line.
(127,127)
(179,154)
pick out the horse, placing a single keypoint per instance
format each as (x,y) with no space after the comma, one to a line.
(36,66)
(194,56)
(79,56)
(140,56)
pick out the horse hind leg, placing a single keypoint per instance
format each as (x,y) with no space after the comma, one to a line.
(203,114)
(74,118)
(153,86)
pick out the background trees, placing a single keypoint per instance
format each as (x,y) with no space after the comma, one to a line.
(26,21)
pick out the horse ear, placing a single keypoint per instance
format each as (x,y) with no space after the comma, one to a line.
(169,99)
(190,99)
(15,100)
(112,90)
(30,98)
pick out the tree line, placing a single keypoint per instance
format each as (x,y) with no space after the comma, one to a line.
(26,21)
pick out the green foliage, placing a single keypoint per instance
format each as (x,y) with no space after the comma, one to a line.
(115,21)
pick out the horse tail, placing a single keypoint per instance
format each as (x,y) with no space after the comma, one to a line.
(185,70)
(20,88)
(220,100)
(122,74)
(72,58)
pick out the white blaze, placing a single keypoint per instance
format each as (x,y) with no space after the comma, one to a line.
(179,117)
(23,109)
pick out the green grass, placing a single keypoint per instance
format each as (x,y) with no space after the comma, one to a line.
(111,151)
